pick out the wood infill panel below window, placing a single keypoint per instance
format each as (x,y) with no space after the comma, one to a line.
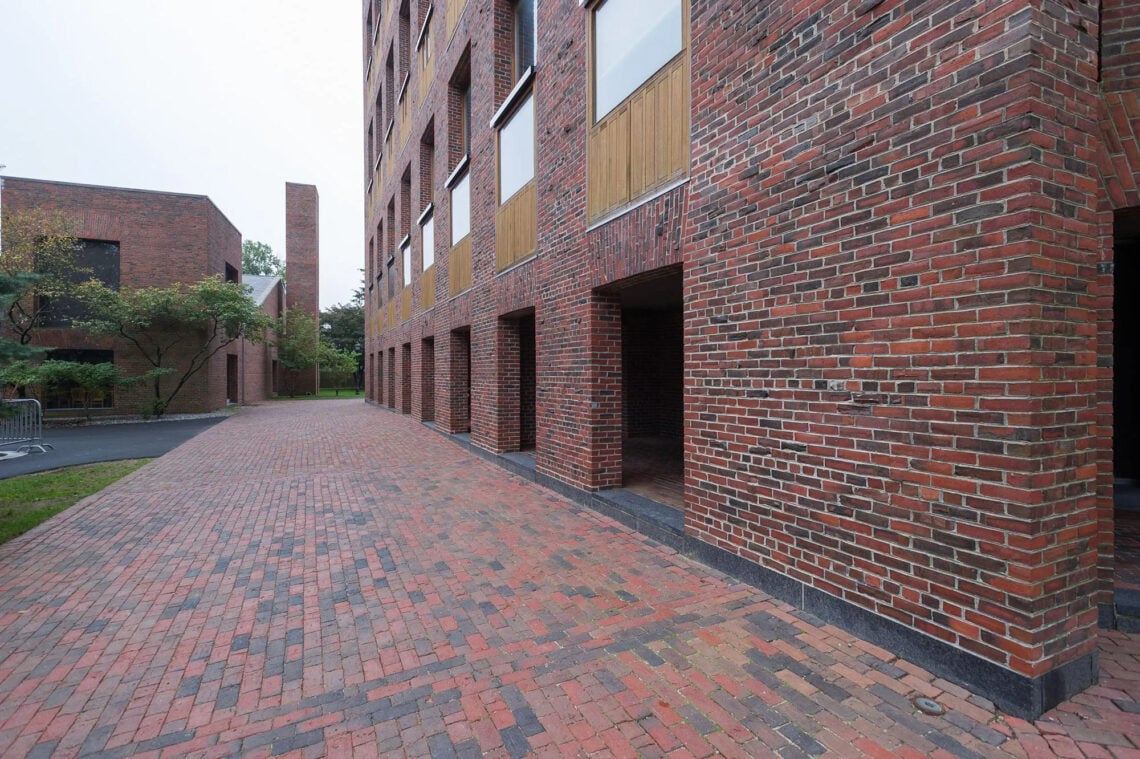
(392,313)
(659,132)
(608,163)
(406,304)
(454,11)
(427,289)
(516,228)
(459,267)
(643,144)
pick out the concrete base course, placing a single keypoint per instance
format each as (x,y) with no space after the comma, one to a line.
(326,578)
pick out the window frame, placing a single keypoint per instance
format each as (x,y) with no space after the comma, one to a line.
(427,217)
(523,93)
(459,176)
(592,7)
(406,260)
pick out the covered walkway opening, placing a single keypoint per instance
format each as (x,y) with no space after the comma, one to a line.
(653,379)
(1126,416)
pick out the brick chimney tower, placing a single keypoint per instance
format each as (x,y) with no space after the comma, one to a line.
(302,262)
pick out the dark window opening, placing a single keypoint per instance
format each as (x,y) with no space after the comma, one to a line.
(524,36)
(94,259)
(71,396)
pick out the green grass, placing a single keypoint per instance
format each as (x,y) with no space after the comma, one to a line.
(322,395)
(33,498)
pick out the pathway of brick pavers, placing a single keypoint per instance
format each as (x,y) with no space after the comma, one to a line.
(326,578)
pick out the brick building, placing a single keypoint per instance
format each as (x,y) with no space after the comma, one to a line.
(820,292)
(141,238)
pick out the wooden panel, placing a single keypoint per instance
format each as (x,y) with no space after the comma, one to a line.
(608,163)
(403,121)
(406,304)
(643,144)
(515,228)
(392,313)
(459,267)
(427,289)
(454,11)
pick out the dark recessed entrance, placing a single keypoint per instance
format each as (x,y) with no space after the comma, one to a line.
(653,382)
(1126,410)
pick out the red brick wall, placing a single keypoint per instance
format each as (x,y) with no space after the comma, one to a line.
(163,238)
(302,261)
(896,279)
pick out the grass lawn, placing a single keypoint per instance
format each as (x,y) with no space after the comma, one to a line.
(32,498)
(324,393)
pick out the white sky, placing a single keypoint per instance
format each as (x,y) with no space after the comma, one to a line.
(225,98)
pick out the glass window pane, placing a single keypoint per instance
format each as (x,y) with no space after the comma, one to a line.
(427,237)
(461,209)
(632,40)
(524,36)
(516,151)
(406,254)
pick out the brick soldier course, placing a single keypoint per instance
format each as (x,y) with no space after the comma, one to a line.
(269,589)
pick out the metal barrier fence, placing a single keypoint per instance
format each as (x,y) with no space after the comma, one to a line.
(21,424)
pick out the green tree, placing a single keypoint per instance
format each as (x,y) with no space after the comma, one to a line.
(12,288)
(338,367)
(43,244)
(258,258)
(342,327)
(297,344)
(176,329)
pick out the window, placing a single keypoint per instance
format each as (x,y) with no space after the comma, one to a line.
(524,28)
(94,259)
(516,150)
(424,43)
(406,261)
(460,208)
(427,240)
(67,394)
(632,40)
(391,278)
(371,148)
(465,119)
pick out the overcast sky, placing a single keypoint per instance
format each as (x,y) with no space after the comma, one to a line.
(225,98)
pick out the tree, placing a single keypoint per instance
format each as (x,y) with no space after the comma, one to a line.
(41,244)
(12,288)
(258,258)
(338,367)
(342,327)
(297,345)
(176,329)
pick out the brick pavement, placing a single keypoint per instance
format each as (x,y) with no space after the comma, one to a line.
(324,578)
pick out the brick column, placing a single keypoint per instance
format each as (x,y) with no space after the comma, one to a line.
(302,262)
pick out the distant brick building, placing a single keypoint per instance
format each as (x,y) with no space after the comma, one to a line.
(835,279)
(155,239)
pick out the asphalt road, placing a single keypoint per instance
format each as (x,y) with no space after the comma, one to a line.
(110,442)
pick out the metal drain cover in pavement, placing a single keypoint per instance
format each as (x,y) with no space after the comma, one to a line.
(928,706)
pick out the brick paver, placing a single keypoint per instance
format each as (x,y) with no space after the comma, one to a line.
(325,578)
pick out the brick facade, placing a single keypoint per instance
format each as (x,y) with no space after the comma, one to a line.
(163,238)
(895,255)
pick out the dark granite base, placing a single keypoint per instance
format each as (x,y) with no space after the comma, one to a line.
(1021,696)
(1127,610)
